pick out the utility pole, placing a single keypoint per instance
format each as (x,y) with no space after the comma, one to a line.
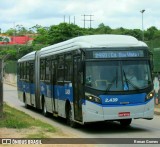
(84,19)
(142,11)
(74,20)
(69,19)
(90,20)
(64,18)
(1,88)
(14,34)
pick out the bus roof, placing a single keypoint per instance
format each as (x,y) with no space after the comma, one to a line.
(89,41)
(92,41)
(29,56)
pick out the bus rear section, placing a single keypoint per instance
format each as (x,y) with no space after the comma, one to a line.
(26,79)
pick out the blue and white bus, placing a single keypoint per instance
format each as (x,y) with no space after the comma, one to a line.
(85,79)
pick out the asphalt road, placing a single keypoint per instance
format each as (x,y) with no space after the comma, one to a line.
(139,128)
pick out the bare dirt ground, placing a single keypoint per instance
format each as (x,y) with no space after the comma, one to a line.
(22,133)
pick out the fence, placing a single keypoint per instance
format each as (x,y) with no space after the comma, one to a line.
(1,88)
(10,72)
(11,67)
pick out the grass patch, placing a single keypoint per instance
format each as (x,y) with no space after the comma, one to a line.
(13,118)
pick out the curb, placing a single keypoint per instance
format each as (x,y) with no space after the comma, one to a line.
(8,83)
(157,111)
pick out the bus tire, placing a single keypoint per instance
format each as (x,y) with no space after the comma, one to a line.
(70,121)
(25,101)
(125,122)
(44,108)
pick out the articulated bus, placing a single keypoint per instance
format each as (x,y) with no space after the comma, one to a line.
(85,79)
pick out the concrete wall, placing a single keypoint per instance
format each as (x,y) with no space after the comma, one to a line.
(10,79)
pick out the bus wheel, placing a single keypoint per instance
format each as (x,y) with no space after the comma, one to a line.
(70,119)
(44,109)
(125,122)
(25,101)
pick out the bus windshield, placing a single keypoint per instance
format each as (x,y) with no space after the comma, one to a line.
(118,75)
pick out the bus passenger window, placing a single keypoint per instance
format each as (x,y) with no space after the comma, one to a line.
(60,75)
(27,70)
(31,73)
(60,69)
(47,71)
(68,68)
(24,70)
(42,70)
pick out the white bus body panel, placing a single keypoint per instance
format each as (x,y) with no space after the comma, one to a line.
(93,112)
(28,57)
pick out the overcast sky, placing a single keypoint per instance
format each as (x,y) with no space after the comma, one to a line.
(114,13)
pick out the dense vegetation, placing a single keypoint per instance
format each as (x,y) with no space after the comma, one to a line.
(44,36)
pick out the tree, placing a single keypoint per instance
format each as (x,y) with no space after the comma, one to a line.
(135,33)
(150,33)
(157,35)
(10,32)
(62,32)
(119,31)
(21,30)
(1,39)
(102,29)
(42,36)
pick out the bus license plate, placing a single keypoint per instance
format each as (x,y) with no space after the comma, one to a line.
(123,114)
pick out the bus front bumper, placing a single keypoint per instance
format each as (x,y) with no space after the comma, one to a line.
(93,112)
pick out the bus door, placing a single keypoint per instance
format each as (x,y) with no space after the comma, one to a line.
(31,83)
(53,83)
(77,89)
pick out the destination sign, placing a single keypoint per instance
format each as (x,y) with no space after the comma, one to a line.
(117,54)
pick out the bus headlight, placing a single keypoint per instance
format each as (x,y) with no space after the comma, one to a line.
(150,95)
(92,98)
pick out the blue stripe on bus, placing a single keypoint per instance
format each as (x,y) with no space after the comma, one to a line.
(63,92)
(26,87)
(45,89)
(120,105)
(66,92)
(120,99)
(57,91)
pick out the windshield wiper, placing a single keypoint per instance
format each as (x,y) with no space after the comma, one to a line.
(126,87)
(133,85)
